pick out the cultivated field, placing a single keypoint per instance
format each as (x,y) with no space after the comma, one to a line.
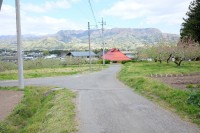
(46,68)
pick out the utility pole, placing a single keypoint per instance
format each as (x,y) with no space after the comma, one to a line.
(19,47)
(102,29)
(1,1)
(89,46)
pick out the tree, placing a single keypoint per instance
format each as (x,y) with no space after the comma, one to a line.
(191,24)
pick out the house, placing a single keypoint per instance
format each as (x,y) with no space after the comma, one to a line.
(81,54)
(64,53)
(130,54)
(33,54)
(50,56)
(100,54)
(115,55)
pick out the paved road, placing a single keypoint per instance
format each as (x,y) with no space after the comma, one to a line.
(105,105)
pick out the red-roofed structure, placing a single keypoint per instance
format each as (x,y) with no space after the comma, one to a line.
(115,55)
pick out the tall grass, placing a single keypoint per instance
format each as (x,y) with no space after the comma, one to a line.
(38,112)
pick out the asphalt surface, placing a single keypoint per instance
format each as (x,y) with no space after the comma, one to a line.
(105,105)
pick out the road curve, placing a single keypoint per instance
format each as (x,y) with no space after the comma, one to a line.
(105,105)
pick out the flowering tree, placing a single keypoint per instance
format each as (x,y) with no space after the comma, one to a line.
(185,50)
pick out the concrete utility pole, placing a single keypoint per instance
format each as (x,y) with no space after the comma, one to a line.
(89,46)
(19,47)
(102,29)
(1,1)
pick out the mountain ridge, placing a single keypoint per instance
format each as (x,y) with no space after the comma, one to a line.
(123,38)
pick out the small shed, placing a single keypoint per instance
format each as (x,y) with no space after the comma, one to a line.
(115,55)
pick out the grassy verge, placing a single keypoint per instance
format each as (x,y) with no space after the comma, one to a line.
(48,72)
(135,76)
(37,112)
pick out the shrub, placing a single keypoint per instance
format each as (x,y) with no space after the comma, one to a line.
(7,66)
(106,62)
(124,62)
(198,86)
(190,86)
(194,98)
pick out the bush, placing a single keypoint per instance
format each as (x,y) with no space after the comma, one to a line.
(198,86)
(124,62)
(190,86)
(106,62)
(194,99)
(7,66)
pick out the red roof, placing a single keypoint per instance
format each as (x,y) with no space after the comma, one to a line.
(115,55)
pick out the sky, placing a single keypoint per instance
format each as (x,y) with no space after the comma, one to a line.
(41,17)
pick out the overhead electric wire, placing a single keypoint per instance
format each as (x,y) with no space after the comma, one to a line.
(93,13)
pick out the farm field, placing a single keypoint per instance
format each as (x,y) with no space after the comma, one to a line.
(184,99)
(48,72)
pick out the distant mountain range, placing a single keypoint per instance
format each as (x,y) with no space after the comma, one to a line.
(122,38)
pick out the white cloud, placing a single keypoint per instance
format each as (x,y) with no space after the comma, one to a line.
(46,25)
(7,17)
(48,5)
(153,11)
(125,9)
(32,25)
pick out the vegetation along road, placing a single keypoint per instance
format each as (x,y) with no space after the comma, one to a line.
(105,105)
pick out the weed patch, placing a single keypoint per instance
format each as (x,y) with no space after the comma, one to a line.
(40,113)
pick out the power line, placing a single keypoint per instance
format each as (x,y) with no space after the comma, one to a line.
(93,13)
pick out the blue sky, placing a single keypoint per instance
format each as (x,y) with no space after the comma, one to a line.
(49,16)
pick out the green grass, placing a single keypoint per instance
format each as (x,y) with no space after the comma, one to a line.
(37,112)
(48,72)
(136,74)
(147,68)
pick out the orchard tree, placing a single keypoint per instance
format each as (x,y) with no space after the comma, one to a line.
(142,53)
(179,55)
(158,53)
(192,52)
(191,24)
(187,49)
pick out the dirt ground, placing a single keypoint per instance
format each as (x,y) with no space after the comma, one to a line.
(181,81)
(8,100)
